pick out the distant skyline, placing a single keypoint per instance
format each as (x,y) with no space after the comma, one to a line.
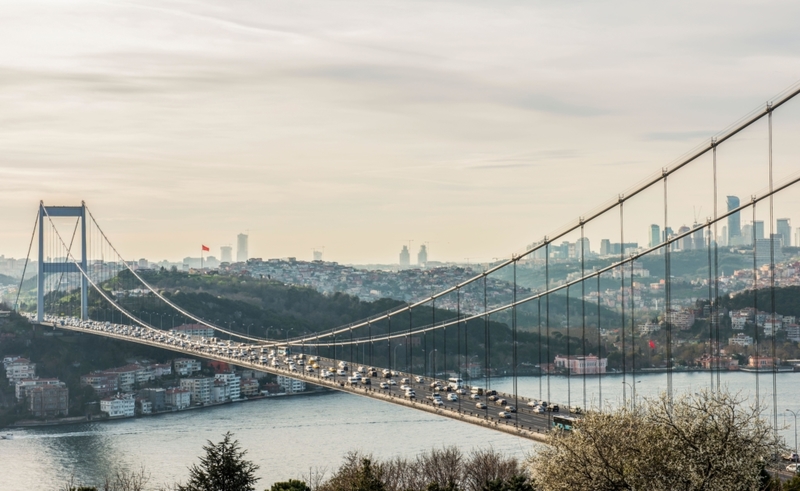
(474,128)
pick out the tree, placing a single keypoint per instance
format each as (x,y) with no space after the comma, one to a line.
(707,441)
(290,485)
(223,468)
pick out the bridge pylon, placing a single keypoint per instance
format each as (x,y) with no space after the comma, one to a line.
(46,212)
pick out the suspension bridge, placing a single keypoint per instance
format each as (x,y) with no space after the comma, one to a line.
(556,307)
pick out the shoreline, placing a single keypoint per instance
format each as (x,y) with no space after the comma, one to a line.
(85,419)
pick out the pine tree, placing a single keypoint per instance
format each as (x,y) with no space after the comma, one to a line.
(223,468)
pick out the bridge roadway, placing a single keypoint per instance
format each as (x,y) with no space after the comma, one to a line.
(523,423)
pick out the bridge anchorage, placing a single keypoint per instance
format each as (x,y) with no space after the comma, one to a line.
(573,326)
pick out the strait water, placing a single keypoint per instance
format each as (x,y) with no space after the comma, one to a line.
(289,436)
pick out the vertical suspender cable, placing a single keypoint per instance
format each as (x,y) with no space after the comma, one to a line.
(667,293)
(772,280)
(569,364)
(486,339)
(539,321)
(514,343)
(547,310)
(622,297)
(583,312)
(715,305)
(633,339)
(710,312)
(599,351)
(755,305)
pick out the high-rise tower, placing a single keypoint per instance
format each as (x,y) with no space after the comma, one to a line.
(734,222)
(241,248)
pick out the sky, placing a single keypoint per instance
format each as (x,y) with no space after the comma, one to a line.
(474,127)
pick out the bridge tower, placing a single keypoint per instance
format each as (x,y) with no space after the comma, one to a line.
(66,266)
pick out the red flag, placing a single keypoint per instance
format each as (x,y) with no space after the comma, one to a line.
(652,344)
(205,248)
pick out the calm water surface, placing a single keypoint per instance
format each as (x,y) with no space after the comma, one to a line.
(289,436)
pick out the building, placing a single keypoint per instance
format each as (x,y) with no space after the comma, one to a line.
(605,247)
(219,391)
(233,385)
(186,366)
(144,406)
(792,332)
(194,330)
(127,376)
(103,383)
(226,254)
(698,237)
(119,406)
(249,387)
(23,386)
(734,222)
(579,365)
(760,362)
(178,398)
(763,250)
(19,369)
(156,396)
(422,256)
(655,235)
(48,401)
(405,258)
(681,319)
(291,385)
(723,362)
(242,254)
(686,242)
(649,327)
(200,387)
(741,340)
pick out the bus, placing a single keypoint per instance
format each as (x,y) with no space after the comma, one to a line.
(564,422)
(455,383)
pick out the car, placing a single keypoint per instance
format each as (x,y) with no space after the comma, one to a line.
(435,383)
(360,370)
(461,391)
(392,382)
(553,408)
(791,456)
(475,397)
(452,397)
(538,409)
(511,409)
(492,397)
(366,381)
(384,385)
(411,394)
(533,403)
(405,387)
(438,402)
(491,392)
(501,402)
(791,467)
(504,415)
(419,379)
(481,405)
(310,369)
(341,372)
(405,380)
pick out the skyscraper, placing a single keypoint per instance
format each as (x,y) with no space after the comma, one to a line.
(686,242)
(734,222)
(655,235)
(241,248)
(758,228)
(422,256)
(698,238)
(226,254)
(784,229)
(405,258)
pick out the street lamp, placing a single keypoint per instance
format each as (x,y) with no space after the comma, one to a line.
(430,363)
(795,429)
(633,393)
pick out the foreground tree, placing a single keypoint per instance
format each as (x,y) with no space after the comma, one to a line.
(707,441)
(223,468)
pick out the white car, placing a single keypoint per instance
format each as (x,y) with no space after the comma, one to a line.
(452,397)
(461,391)
(504,415)
(341,372)
(405,381)
(438,402)
(405,387)
(481,405)
(539,410)
(419,379)
(475,397)
(392,382)
(384,385)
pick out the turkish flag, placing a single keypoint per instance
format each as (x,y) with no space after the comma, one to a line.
(205,248)
(652,344)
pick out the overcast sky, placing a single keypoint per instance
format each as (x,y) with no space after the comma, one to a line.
(475,126)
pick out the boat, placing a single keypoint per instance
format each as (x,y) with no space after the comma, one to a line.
(7,436)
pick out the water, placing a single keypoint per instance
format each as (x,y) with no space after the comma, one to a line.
(289,436)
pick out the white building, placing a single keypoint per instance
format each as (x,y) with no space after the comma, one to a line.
(21,387)
(194,330)
(200,387)
(233,383)
(291,385)
(119,406)
(19,369)
(741,340)
(649,327)
(178,398)
(792,332)
(186,366)
(579,365)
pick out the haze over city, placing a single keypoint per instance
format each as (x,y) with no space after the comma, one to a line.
(356,127)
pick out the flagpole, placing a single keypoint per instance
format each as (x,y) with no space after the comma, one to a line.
(201,257)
